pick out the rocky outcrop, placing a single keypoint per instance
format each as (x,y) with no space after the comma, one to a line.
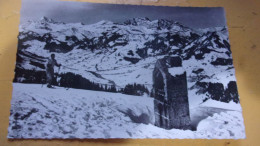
(216,91)
(170,93)
(231,93)
(222,61)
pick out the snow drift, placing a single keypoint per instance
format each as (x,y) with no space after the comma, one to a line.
(40,112)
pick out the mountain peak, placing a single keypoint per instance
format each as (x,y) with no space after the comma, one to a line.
(141,19)
(137,21)
(160,23)
(104,22)
(45,19)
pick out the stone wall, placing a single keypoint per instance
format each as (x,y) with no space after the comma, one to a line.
(170,93)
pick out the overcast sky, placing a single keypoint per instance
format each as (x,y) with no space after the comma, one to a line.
(89,13)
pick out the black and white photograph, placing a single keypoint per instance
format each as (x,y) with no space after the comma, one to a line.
(89,70)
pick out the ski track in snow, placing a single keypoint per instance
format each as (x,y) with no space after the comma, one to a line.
(40,112)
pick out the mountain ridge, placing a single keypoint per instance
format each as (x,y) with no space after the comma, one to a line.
(126,53)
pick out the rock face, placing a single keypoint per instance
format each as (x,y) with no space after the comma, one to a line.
(170,93)
(216,91)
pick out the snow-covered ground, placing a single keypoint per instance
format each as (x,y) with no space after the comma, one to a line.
(40,112)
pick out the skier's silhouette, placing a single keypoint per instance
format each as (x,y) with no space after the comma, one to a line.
(50,70)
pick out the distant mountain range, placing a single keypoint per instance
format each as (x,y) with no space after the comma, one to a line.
(118,54)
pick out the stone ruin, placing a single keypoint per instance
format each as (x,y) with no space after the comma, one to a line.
(170,94)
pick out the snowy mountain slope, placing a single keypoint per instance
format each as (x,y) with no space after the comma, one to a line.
(120,54)
(39,112)
(73,112)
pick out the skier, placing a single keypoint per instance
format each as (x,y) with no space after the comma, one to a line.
(50,69)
